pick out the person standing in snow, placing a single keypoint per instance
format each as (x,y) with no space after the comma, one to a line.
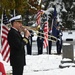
(29,45)
(59,39)
(49,42)
(17,42)
(40,41)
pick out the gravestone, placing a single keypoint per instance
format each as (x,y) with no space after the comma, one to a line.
(67,51)
(67,56)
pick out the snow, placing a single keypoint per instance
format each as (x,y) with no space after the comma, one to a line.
(66,43)
(47,64)
(69,35)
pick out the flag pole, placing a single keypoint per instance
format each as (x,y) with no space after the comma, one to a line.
(1,22)
(1,29)
(14,13)
(48,32)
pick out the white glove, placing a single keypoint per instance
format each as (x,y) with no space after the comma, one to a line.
(58,39)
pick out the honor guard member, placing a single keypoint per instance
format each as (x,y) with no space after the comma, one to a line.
(59,39)
(49,42)
(17,43)
(40,41)
(29,45)
(44,21)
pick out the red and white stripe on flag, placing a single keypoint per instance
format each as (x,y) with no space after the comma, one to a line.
(46,34)
(39,17)
(5,50)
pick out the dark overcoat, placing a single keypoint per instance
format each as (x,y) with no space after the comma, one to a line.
(17,50)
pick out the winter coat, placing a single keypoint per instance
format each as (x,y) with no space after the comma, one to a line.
(17,50)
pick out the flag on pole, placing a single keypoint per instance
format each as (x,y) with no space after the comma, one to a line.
(5,49)
(45,27)
(38,19)
(46,34)
(54,23)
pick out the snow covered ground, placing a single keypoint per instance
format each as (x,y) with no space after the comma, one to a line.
(45,64)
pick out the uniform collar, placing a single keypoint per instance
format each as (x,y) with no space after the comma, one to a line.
(15,28)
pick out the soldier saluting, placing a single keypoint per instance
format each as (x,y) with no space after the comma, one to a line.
(17,42)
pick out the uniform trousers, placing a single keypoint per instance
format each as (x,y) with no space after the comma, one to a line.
(17,70)
(59,47)
(49,48)
(40,45)
(29,46)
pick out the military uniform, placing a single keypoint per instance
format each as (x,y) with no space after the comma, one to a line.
(59,41)
(17,50)
(50,43)
(40,42)
(29,45)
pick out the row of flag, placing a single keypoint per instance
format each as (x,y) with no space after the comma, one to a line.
(46,29)
(5,49)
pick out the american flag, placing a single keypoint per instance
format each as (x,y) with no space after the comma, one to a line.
(38,19)
(46,34)
(5,49)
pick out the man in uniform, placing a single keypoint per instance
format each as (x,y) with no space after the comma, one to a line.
(49,42)
(17,42)
(59,39)
(29,45)
(40,41)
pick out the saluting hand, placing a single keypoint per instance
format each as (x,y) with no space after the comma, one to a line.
(26,32)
